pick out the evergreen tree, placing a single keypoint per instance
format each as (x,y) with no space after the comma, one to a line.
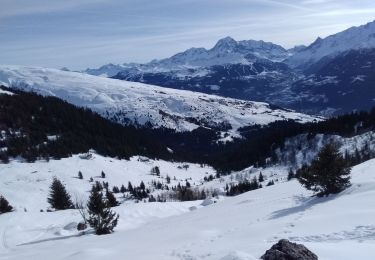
(98,186)
(103,174)
(203,195)
(115,189)
(254,184)
(152,199)
(168,179)
(327,174)
(130,187)
(112,201)
(122,189)
(4,205)
(59,198)
(101,218)
(80,176)
(291,175)
(261,178)
(155,171)
(142,186)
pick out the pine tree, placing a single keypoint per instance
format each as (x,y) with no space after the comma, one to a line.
(254,184)
(4,205)
(115,189)
(291,175)
(327,174)
(80,176)
(103,174)
(59,198)
(142,186)
(98,186)
(112,201)
(261,178)
(155,170)
(130,187)
(101,218)
(122,189)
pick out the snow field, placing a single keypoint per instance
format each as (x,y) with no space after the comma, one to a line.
(338,227)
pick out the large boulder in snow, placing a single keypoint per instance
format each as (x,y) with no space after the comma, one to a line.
(286,250)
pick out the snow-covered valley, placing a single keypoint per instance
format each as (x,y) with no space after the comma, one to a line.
(238,228)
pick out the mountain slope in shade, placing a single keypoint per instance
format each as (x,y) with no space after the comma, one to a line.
(340,84)
(354,38)
(137,103)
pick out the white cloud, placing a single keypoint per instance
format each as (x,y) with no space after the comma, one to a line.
(10,8)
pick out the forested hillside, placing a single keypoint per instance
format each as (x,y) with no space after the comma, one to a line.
(46,127)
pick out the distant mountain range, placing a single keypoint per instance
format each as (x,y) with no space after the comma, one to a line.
(331,76)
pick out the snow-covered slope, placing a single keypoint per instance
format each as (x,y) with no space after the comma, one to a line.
(354,38)
(129,102)
(340,227)
(34,178)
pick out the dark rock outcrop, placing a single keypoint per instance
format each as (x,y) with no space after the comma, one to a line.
(286,250)
(81,226)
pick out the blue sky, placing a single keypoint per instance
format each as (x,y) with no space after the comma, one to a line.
(89,33)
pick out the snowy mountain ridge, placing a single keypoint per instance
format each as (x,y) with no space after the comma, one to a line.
(322,78)
(226,51)
(137,103)
(230,51)
(354,38)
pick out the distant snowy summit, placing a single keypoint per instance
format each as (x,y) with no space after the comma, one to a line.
(226,51)
(230,51)
(141,104)
(354,38)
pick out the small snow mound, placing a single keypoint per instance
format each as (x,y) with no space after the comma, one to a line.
(71,226)
(237,255)
(192,208)
(208,201)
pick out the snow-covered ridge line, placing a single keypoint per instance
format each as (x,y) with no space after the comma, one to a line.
(354,38)
(130,102)
(230,51)
(225,51)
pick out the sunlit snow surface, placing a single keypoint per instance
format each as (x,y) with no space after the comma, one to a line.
(339,227)
(140,103)
(354,38)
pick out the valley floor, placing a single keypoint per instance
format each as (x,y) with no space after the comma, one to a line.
(338,227)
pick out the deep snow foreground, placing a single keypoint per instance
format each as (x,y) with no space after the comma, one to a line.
(339,227)
(122,101)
